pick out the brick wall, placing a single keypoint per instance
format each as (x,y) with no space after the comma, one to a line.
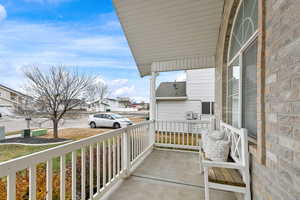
(279,177)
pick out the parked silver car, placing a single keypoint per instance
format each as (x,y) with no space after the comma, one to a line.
(108,120)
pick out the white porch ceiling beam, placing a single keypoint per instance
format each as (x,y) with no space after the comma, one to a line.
(185,63)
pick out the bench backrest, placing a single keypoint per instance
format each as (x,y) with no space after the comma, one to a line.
(239,143)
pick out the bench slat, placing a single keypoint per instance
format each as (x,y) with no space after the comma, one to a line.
(225,176)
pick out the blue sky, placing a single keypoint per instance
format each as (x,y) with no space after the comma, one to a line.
(81,33)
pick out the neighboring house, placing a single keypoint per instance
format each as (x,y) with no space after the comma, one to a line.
(110,104)
(189,99)
(113,104)
(9,99)
(98,106)
(81,105)
(140,106)
(124,102)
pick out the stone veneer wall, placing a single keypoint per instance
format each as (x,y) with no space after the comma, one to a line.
(279,177)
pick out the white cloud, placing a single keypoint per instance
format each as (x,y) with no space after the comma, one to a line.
(181,76)
(3,13)
(49,44)
(100,80)
(124,91)
(118,82)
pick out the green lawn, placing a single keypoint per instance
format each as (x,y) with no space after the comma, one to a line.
(13,151)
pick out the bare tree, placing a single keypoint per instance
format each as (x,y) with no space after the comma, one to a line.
(56,91)
(97,91)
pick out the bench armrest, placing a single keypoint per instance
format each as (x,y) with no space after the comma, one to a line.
(207,163)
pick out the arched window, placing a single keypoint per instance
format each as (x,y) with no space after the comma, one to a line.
(242,68)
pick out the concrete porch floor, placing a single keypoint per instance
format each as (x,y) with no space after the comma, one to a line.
(167,175)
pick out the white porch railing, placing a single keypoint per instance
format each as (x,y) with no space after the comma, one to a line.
(180,134)
(87,168)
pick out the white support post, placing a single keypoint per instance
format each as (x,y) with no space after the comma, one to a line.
(152,107)
(212,123)
(126,153)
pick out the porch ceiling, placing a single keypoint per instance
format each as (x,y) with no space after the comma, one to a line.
(167,35)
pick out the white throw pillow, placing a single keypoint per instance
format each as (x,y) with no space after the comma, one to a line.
(217,135)
(217,150)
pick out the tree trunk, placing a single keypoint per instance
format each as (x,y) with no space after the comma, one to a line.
(55,128)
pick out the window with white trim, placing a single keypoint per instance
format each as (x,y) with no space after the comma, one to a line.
(207,108)
(241,106)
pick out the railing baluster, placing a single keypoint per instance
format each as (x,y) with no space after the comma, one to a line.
(74,159)
(174,132)
(136,142)
(83,172)
(118,154)
(168,133)
(114,157)
(104,163)
(143,137)
(91,171)
(164,134)
(49,180)
(109,160)
(158,131)
(139,132)
(62,176)
(11,186)
(32,182)
(98,167)
(132,145)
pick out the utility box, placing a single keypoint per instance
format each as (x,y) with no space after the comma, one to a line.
(39,132)
(189,115)
(26,133)
(2,132)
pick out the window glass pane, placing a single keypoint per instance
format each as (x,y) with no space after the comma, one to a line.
(233,93)
(245,25)
(206,108)
(249,116)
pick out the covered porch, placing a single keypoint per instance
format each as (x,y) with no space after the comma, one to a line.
(142,161)
(167,175)
(148,160)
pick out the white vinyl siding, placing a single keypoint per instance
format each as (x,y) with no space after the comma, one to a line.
(200,87)
(176,110)
(4,94)
(201,84)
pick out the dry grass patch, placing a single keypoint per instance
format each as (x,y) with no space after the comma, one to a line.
(77,133)
(137,120)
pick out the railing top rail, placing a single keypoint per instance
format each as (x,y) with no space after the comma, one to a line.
(185,121)
(24,162)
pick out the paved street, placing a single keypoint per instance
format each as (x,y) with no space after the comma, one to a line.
(16,124)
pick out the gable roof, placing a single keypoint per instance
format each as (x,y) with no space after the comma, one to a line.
(11,90)
(171,89)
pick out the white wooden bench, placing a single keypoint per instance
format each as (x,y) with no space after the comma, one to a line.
(232,175)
